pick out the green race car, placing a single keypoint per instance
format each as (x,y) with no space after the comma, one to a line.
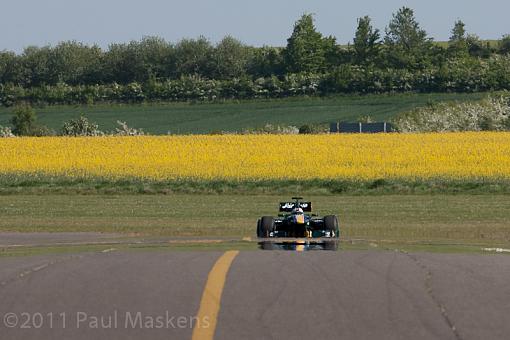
(296,221)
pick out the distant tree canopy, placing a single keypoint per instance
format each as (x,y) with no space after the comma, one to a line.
(457,45)
(367,44)
(407,44)
(307,49)
(230,58)
(504,44)
(402,58)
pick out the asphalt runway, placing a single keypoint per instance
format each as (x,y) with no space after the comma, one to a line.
(266,295)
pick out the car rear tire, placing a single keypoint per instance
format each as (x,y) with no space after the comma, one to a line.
(331,224)
(266,226)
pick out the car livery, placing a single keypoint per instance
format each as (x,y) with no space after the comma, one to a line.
(296,221)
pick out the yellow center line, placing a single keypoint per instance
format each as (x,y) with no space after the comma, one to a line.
(211,298)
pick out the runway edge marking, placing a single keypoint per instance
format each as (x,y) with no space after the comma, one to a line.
(211,297)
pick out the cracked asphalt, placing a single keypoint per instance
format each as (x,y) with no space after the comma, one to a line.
(267,295)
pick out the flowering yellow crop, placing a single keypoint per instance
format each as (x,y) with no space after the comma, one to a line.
(246,157)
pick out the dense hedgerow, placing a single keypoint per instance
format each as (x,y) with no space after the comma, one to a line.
(466,75)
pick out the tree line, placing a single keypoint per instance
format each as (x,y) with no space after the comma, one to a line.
(402,58)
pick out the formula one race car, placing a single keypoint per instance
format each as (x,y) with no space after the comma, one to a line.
(292,222)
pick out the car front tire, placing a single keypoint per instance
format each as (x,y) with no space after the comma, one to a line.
(331,224)
(266,226)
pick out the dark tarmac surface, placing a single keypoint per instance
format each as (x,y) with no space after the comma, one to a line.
(267,295)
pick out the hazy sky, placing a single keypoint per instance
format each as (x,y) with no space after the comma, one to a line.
(259,22)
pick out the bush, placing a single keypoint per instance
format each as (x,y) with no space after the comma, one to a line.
(24,120)
(365,119)
(273,129)
(25,123)
(81,127)
(491,114)
(305,129)
(42,131)
(125,130)
(313,129)
(5,132)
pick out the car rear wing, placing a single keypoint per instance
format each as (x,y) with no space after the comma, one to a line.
(289,206)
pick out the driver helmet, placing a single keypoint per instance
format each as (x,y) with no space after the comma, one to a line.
(298,211)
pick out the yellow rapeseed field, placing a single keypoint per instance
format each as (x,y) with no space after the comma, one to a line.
(245,157)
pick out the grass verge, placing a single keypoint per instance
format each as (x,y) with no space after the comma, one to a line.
(41,184)
(426,219)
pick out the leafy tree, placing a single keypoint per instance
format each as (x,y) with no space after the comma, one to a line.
(504,44)
(457,45)
(404,31)
(366,42)
(306,48)
(157,58)
(476,47)
(74,63)
(24,120)
(35,66)
(230,59)
(10,68)
(334,54)
(193,57)
(407,43)
(139,61)
(458,32)
(265,61)
(118,65)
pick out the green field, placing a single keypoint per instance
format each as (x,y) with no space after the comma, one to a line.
(436,219)
(183,118)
